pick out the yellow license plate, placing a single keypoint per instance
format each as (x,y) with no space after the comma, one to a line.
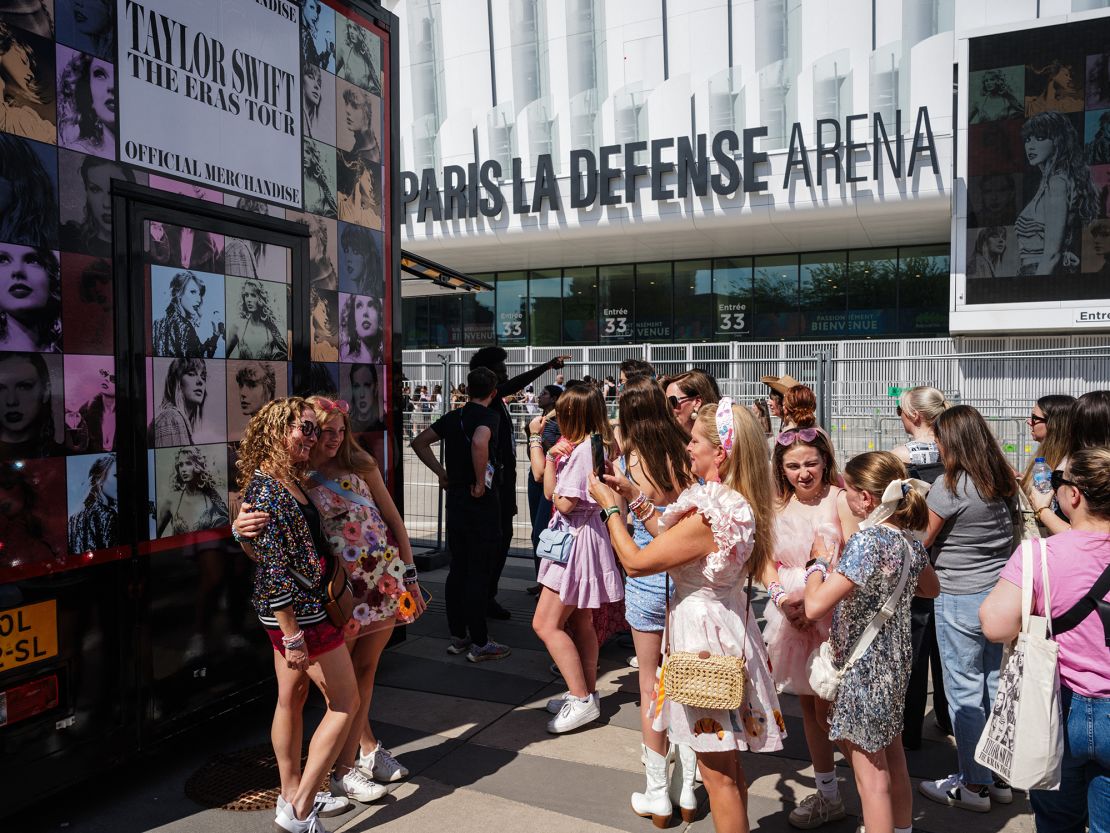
(28,634)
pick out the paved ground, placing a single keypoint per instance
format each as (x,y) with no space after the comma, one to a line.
(473,737)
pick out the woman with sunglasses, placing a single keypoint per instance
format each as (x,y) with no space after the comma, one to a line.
(1076,559)
(711,540)
(812,518)
(971,527)
(360,520)
(273,457)
(1087,425)
(687,392)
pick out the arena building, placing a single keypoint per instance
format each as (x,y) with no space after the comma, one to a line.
(621,172)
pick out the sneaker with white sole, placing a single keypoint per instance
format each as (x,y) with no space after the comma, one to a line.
(326,804)
(382,766)
(356,787)
(816,810)
(955,793)
(484,653)
(1000,791)
(459,646)
(286,820)
(555,704)
(575,713)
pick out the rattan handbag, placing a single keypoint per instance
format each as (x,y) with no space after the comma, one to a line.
(703,680)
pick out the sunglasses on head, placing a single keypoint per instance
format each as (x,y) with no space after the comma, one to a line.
(675,401)
(806,435)
(1037,420)
(1059,480)
(334,405)
(310,429)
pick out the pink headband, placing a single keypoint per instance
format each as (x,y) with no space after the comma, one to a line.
(726,429)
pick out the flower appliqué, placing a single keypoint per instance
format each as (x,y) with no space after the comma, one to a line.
(406,605)
(396,568)
(362,613)
(352,532)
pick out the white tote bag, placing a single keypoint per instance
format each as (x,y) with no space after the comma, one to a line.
(1028,697)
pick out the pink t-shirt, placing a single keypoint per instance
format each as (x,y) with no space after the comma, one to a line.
(1075,561)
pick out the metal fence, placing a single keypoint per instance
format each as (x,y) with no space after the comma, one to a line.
(856,383)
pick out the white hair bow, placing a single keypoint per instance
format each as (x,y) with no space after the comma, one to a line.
(893,494)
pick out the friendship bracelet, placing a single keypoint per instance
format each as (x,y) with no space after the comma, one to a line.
(644,511)
(235,534)
(289,641)
(776,592)
(818,567)
(637,502)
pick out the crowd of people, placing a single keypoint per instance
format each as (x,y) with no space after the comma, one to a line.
(661,522)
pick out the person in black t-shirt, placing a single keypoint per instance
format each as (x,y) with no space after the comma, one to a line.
(470,437)
(493,358)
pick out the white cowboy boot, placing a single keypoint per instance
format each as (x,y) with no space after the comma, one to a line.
(654,801)
(682,783)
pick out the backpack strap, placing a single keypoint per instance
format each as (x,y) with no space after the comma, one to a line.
(1091,602)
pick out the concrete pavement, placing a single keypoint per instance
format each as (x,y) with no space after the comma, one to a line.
(473,737)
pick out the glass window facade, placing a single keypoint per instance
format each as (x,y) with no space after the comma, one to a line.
(860,293)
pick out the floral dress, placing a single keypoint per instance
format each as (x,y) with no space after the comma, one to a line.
(710,612)
(872,695)
(360,538)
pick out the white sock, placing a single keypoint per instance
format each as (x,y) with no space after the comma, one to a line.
(826,784)
(904,829)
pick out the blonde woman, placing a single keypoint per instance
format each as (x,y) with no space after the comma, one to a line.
(711,540)
(919,408)
(359,519)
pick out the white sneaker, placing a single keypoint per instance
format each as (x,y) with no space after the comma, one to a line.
(356,787)
(382,766)
(555,704)
(286,820)
(575,713)
(633,661)
(953,792)
(1000,791)
(327,805)
(816,810)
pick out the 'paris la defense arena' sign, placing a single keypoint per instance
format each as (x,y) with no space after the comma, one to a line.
(675,168)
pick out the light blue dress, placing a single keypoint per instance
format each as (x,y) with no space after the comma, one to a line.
(645,600)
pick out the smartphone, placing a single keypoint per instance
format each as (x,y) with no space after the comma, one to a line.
(598,446)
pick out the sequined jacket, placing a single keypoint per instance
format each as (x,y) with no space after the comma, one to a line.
(285,544)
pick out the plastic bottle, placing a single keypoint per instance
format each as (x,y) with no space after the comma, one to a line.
(1042,476)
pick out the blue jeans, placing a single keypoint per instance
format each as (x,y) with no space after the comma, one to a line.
(971,665)
(1085,779)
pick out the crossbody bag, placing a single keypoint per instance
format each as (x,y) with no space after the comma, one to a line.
(824,676)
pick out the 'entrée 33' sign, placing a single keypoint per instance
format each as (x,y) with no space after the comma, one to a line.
(675,168)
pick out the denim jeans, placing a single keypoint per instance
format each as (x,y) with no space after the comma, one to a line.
(971,665)
(1085,779)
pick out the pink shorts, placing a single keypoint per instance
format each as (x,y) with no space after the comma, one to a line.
(318,639)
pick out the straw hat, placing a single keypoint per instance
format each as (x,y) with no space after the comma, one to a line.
(780,384)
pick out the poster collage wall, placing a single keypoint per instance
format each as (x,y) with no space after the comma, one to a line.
(218,323)
(1038,224)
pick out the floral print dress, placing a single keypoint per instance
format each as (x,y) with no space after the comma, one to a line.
(360,539)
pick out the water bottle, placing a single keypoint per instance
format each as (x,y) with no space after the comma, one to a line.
(1042,476)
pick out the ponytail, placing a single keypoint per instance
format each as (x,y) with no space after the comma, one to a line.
(873,472)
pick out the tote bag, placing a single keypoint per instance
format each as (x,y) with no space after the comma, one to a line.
(1028,697)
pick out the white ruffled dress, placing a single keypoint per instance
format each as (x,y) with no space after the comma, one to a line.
(709,612)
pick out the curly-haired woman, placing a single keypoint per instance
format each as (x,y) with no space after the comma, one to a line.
(21,90)
(87,106)
(359,518)
(255,334)
(273,458)
(198,504)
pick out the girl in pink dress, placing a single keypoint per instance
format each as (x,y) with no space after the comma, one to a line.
(813,518)
(711,540)
(590,577)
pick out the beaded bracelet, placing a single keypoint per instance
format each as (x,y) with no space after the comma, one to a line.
(294,640)
(644,511)
(235,534)
(818,567)
(637,502)
(776,592)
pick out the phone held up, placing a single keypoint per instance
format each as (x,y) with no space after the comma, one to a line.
(598,447)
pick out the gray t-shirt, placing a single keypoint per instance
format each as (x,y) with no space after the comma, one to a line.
(975,541)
